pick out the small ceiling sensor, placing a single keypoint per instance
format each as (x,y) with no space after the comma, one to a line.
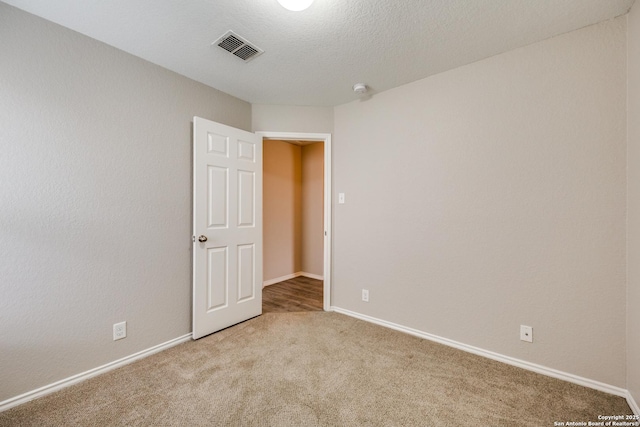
(295,5)
(360,88)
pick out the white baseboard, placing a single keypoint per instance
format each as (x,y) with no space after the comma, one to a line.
(586,382)
(633,404)
(48,389)
(311,275)
(279,279)
(291,276)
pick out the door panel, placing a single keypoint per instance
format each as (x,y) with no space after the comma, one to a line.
(217,278)
(246,272)
(246,198)
(218,197)
(227,213)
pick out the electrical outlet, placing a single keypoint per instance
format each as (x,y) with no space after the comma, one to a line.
(119,330)
(526,333)
(365,295)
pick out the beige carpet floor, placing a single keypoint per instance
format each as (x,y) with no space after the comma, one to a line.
(315,369)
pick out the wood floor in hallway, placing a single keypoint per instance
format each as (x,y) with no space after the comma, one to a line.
(299,294)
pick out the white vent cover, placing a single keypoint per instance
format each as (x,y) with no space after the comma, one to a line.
(239,46)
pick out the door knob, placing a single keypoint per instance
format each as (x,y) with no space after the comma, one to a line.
(202,239)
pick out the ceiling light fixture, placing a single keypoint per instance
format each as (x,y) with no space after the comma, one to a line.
(295,5)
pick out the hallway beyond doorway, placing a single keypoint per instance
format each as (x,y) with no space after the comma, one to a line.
(298,294)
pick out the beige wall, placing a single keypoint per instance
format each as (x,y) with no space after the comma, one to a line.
(313,208)
(288,118)
(95,200)
(491,196)
(282,209)
(633,212)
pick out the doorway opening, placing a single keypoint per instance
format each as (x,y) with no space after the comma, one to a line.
(297,220)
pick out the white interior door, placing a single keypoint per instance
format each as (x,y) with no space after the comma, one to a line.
(227,226)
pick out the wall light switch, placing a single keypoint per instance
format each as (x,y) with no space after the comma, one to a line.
(341,198)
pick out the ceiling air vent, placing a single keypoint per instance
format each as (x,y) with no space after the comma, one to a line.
(239,46)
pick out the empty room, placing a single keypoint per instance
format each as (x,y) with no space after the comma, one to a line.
(474,242)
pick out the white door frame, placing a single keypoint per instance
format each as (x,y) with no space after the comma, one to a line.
(326,138)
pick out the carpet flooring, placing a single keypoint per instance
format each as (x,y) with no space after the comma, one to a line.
(315,369)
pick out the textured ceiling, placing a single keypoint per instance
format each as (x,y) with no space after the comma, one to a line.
(314,57)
